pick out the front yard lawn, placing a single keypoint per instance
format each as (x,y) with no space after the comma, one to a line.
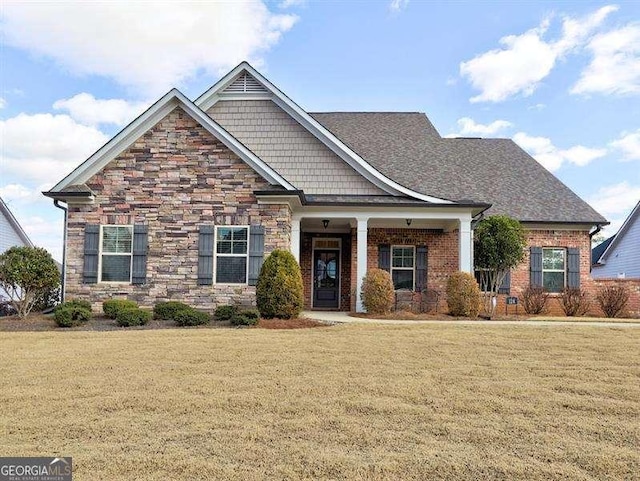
(348,402)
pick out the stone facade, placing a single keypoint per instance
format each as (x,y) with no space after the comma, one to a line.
(174,178)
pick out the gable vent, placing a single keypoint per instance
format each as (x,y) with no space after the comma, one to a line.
(245,83)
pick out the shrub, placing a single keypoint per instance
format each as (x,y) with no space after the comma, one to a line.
(70,314)
(463,295)
(378,295)
(47,299)
(534,300)
(79,303)
(612,300)
(279,292)
(168,310)
(246,318)
(574,301)
(27,273)
(191,317)
(111,307)
(133,316)
(225,313)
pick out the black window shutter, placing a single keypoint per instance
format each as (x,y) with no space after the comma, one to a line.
(505,287)
(91,251)
(535,272)
(421,268)
(139,264)
(573,267)
(205,255)
(384,257)
(256,253)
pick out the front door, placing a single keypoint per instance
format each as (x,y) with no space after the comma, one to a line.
(326,279)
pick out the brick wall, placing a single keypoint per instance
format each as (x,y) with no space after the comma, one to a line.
(174,178)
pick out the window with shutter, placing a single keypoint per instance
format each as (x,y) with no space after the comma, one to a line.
(116,253)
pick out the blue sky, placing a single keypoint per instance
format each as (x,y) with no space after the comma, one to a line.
(560,78)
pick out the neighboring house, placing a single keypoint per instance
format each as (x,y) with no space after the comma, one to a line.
(619,256)
(185,202)
(11,234)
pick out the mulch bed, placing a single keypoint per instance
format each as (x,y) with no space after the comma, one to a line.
(301,323)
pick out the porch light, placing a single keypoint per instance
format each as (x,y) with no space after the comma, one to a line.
(325,223)
(409,222)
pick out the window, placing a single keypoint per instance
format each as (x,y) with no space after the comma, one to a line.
(116,254)
(402,267)
(231,253)
(554,269)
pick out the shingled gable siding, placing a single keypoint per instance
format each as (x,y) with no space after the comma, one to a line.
(289,148)
(174,179)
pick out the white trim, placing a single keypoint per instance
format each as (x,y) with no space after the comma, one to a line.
(149,119)
(338,268)
(623,229)
(215,255)
(101,253)
(412,269)
(361,259)
(211,96)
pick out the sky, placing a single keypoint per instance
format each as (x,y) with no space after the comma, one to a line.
(562,79)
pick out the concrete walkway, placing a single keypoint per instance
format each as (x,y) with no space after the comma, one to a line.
(345,318)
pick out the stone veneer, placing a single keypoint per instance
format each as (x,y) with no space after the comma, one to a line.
(175,178)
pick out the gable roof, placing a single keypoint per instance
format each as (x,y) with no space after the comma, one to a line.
(13,222)
(614,240)
(598,250)
(407,147)
(146,121)
(366,169)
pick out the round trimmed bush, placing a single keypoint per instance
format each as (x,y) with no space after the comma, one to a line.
(133,316)
(246,318)
(111,307)
(225,313)
(279,292)
(463,295)
(378,295)
(168,310)
(191,317)
(70,315)
(79,303)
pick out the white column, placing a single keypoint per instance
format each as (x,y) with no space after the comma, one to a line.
(465,243)
(295,239)
(361,260)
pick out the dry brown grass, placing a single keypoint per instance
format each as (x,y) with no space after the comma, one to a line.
(347,402)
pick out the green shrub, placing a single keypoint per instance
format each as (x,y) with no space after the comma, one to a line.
(463,295)
(168,310)
(111,307)
(378,295)
(279,292)
(246,318)
(70,315)
(191,317)
(78,302)
(225,313)
(133,316)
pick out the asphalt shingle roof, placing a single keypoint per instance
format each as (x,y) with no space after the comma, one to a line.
(407,148)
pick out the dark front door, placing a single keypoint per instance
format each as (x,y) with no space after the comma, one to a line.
(326,279)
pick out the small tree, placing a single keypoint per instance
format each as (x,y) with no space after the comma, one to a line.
(25,274)
(378,295)
(279,291)
(498,246)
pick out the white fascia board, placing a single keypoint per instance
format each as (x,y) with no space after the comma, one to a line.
(150,118)
(627,223)
(210,97)
(348,212)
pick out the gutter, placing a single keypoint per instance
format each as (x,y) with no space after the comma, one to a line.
(56,202)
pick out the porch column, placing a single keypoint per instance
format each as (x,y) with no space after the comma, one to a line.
(361,259)
(465,243)
(295,239)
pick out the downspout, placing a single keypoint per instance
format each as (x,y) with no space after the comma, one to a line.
(591,234)
(56,202)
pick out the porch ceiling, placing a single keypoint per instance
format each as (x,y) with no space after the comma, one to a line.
(344,225)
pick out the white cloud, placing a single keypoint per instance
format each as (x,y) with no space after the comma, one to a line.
(88,110)
(151,47)
(398,5)
(12,193)
(3,103)
(45,232)
(615,202)
(551,157)
(526,59)
(629,144)
(291,3)
(615,67)
(468,126)
(45,147)
(537,107)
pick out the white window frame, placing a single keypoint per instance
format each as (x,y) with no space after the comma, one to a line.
(215,255)
(564,271)
(101,253)
(413,269)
